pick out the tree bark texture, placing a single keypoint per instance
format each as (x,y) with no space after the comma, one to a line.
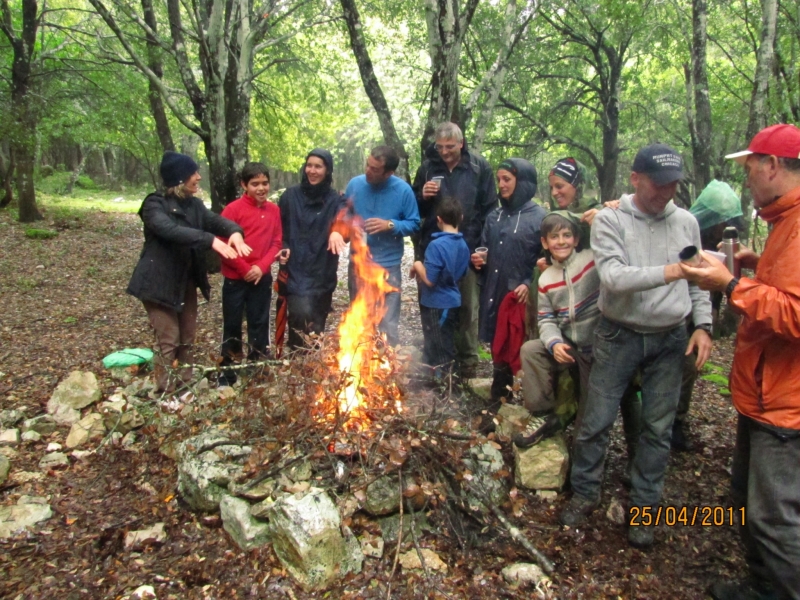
(157,108)
(372,86)
(23,106)
(446,26)
(702,131)
(224,36)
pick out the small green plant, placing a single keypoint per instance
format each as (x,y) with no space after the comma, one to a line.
(69,320)
(40,234)
(92,271)
(27,283)
(714,374)
(484,354)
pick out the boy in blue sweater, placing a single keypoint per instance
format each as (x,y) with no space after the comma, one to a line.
(446,263)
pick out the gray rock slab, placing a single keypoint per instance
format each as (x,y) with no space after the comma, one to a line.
(522,574)
(41,424)
(511,420)
(481,387)
(9,437)
(26,513)
(485,462)
(5,468)
(88,428)
(544,466)
(77,391)
(31,436)
(382,497)
(247,531)
(307,538)
(138,540)
(10,417)
(54,460)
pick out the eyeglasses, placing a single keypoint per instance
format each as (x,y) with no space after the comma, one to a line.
(448,147)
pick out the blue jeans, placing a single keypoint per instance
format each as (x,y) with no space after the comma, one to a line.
(391,319)
(618,353)
(764,480)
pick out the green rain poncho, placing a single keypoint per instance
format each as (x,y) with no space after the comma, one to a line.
(716,204)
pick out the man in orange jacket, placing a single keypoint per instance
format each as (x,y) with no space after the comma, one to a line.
(765,378)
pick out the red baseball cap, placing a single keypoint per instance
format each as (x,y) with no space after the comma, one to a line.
(775,140)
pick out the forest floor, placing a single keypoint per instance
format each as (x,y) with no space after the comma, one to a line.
(64,307)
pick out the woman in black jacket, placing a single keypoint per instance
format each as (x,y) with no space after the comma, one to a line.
(311,245)
(178,229)
(512,234)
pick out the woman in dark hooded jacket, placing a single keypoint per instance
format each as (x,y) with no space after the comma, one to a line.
(311,245)
(512,235)
(178,229)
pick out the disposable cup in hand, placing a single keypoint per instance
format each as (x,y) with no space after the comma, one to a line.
(438,181)
(483,252)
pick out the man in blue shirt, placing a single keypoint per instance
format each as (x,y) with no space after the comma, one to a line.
(388,208)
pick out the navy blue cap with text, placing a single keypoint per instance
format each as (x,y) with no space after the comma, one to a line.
(660,163)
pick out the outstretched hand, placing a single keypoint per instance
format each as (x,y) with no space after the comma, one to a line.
(236,241)
(711,275)
(336,243)
(223,249)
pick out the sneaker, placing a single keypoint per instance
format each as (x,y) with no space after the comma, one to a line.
(745,589)
(679,442)
(538,430)
(641,537)
(577,511)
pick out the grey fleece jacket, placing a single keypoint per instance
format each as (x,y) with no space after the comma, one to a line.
(631,249)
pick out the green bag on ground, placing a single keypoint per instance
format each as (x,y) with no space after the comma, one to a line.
(128,357)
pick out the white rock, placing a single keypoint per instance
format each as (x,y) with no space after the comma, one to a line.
(81,454)
(11,417)
(411,561)
(53,447)
(77,391)
(371,546)
(9,437)
(615,512)
(511,419)
(53,461)
(543,466)
(481,387)
(137,540)
(5,467)
(31,436)
(128,440)
(42,424)
(27,512)
(110,405)
(522,574)
(143,592)
(308,539)
(247,532)
(89,427)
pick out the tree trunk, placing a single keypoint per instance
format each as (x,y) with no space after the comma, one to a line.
(6,176)
(163,130)
(371,85)
(701,141)
(759,97)
(607,174)
(23,106)
(76,172)
(446,30)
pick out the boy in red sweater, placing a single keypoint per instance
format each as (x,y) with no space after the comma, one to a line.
(248,280)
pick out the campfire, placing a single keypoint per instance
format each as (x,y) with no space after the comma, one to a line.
(363,361)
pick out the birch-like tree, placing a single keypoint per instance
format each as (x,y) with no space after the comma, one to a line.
(211,46)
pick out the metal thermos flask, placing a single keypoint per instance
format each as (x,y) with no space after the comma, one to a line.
(730,246)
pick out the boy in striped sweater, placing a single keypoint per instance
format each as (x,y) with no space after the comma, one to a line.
(567,317)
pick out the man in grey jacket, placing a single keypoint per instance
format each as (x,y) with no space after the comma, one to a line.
(645,301)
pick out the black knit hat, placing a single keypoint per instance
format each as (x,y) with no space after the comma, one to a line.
(567,169)
(176,168)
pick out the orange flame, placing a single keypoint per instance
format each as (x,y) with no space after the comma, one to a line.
(358,326)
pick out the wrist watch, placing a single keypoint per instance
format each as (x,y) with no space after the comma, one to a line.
(705,327)
(390,225)
(729,289)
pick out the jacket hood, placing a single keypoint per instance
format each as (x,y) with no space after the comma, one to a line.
(626,205)
(526,185)
(320,189)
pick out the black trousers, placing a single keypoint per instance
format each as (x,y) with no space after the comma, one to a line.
(239,298)
(307,314)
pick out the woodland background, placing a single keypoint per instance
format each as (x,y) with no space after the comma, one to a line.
(98,89)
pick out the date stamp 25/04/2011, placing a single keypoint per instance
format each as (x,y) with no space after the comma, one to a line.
(672,516)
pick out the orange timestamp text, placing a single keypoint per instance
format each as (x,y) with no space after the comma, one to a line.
(671,516)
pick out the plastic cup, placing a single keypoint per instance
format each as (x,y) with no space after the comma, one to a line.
(483,252)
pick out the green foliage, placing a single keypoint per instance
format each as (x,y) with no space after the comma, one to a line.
(720,380)
(40,234)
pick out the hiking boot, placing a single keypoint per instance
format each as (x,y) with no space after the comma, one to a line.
(640,536)
(679,442)
(577,510)
(744,589)
(537,431)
